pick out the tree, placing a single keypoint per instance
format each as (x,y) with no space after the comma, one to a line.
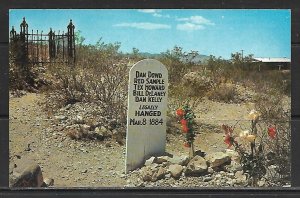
(135,54)
(173,60)
(79,39)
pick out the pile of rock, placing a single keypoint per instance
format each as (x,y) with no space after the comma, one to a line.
(85,120)
(156,168)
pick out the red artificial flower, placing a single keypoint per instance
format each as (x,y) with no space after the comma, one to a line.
(228,140)
(186,144)
(180,112)
(227,129)
(183,122)
(185,128)
(272,132)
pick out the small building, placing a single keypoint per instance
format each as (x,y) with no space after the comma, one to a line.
(274,63)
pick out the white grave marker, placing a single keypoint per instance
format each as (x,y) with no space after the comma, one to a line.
(146,114)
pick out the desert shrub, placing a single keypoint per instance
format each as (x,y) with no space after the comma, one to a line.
(278,149)
(178,63)
(223,93)
(273,106)
(69,84)
(21,76)
(220,69)
(180,95)
(24,75)
(268,79)
(198,83)
(100,75)
(241,70)
(264,149)
(275,111)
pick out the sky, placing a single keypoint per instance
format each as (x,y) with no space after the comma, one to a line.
(263,33)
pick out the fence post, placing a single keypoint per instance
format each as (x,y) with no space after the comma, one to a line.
(24,41)
(30,47)
(51,45)
(13,41)
(71,42)
(13,34)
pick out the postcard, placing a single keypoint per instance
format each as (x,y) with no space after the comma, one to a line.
(134,98)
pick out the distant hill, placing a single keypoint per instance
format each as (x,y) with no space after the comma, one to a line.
(149,55)
(199,58)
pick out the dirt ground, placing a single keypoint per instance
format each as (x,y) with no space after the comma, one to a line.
(99,163)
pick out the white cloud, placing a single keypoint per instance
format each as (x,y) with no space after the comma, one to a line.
(154,12)
(145,25)
(156,15)
(196,20)
(189,27)
(147,10)
(193,23)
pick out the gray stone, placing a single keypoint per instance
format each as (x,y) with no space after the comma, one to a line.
(230,182)
(27,174)
(233,167)
(84,128)
(286,186)
(272,173)
(61,117)
(261,183)
(150,161)
(234,155)
(48,182)
(240,177)
(217,159)
(162,159)
(154,166)
(181,160)
(218,176)
(233,181)
(102,131)
(168,175)
(68,107)
(207,179)
(196,166)
(210,170)
(175,170)
(122,175)
(79,120)
(160,174)
(146,173)
(150,174)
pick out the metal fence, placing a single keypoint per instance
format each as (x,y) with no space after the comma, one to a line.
(37,47)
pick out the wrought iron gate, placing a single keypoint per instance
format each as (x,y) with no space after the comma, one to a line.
(37,47)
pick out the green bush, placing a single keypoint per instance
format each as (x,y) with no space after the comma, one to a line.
(100,75)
